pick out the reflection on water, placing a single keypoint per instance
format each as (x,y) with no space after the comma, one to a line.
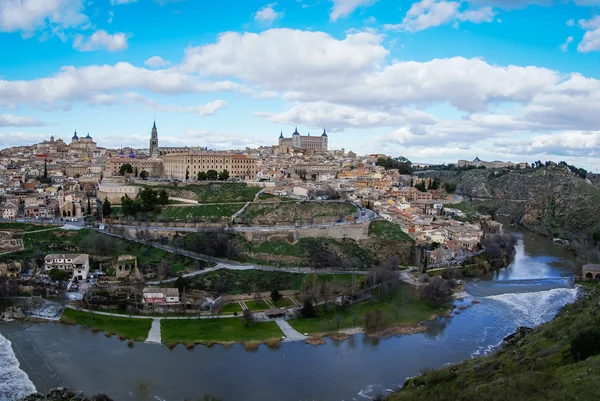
(527,293)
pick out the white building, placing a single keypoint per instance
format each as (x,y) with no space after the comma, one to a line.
(155,295)
(78,263)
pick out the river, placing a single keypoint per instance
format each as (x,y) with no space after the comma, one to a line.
(529,292)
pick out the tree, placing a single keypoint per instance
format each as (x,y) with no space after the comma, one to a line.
(308,310)
(275,295)
(182,284)
(248,318)
(224,175)
(163,197)
(135,171)
(128,206)
(437,292)
(125,169)
(165,269)
(89,206)
(202,176)
(212,175)
(144,175)
(450,187)
(337,318)
(187,173)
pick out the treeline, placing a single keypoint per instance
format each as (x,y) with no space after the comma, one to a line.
(402,164)
(147,201)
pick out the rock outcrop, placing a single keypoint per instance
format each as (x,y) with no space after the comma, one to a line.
(64,394)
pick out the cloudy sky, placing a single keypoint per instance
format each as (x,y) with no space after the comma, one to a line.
(433,80)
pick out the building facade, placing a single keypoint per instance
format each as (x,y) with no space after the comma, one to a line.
(178,165)
(79,264)
(302,142)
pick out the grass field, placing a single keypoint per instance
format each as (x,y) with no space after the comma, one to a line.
(26,226)
(399,309)
(256,305)
(202,212)
(262,213)
(216,330)
(284,302)
(135,329)
(278,248)
(230,308)
(388,231)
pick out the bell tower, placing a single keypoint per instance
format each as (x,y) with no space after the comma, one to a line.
(154,152)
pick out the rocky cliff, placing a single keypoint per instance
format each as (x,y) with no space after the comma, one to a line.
(550,201)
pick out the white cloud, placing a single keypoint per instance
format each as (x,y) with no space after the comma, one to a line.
(9,120)
(343,8)
(111,16)
(431,13)
(570,22)
(337,117)
(27,16)
(100,82)
(280,59)
(267,15)
(565,46)
(202,111)
(100,40)
(120,2)
(156,62)
(19,138)
(568,143)
(591,37)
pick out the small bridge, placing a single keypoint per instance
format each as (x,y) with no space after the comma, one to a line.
(591,271)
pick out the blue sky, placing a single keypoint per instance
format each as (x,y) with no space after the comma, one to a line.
(433,80)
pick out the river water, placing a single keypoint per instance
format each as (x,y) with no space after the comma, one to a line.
(529,292)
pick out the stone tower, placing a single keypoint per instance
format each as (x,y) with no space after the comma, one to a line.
(154,152)
(324,140)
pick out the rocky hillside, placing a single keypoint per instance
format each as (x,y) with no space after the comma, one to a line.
(559,360)
(550,201)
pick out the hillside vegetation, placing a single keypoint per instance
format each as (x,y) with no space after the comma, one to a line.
(210,193)
(290,212)
(550,201)
(559,360)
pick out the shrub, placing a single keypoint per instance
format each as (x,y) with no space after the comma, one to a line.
(251,345)
(275,295)
(308,310)
(130,343)
(586,344)
(274,343)
(107,334)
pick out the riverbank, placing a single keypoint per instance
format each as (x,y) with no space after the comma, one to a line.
(558,360)
(131,329)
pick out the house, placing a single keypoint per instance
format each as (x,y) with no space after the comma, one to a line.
(78,263)
(156,295)
(9,210)
(10,241)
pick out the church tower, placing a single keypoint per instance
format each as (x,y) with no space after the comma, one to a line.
(154,152)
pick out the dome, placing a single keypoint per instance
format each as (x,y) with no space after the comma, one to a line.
(296,132)
(75,135)
(88,136)
(131,154)
(324,133)
(476,159)
(121,153)
(281,135)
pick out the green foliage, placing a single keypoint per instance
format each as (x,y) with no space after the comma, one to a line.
(249,281)
(275,295)
(212,175)
(213,213)
(402,164)
(216,192)
(59,275)
(202,176)
(125,169)
(144,175)
(421,186)
(450,187)
(388,231)
(308,310)
(106,208)
(224,175)
(147,201)
(586,344)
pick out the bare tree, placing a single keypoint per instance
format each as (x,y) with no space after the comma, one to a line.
(437,292)
(337,318)
(248,317)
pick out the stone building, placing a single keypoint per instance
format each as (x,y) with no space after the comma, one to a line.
(301,143)
(238,165)
(79,264)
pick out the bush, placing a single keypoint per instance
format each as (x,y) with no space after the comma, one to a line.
(308,310)
(586,344)
(275,295)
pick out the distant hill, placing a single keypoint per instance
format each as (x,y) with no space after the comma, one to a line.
(550,201)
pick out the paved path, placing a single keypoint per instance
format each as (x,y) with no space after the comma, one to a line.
(290,333)
(154,336)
